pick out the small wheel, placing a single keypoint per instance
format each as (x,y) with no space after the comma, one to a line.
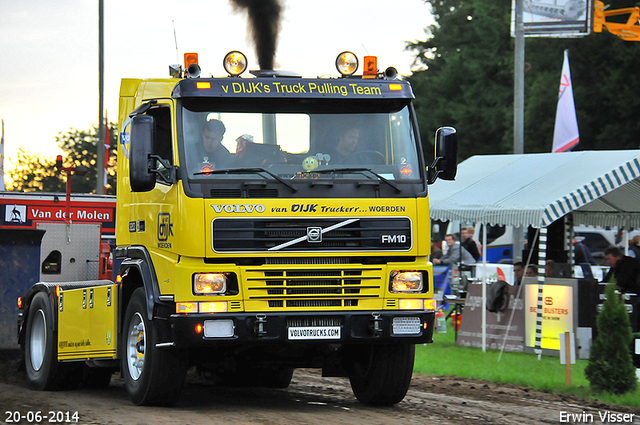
(41,351)
(273,377)
(96,377)
(153,376)
(381,374)
(364,157)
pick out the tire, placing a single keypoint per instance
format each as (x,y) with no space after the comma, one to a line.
(44,372)
(152,376)
(381,374)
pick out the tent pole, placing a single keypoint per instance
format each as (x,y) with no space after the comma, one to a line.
(542,259)
(484,288)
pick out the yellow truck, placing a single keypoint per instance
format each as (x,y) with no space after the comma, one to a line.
(264,223)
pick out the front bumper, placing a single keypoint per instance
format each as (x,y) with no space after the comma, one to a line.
(263,328)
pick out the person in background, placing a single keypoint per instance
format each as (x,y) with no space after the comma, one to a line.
(624,271)
(582,252)
(455,253)
(532,271)
(634,247)
(518,272)
(466,236)
(436,252)
(550,268)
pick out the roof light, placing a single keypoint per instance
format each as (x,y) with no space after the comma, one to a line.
(347,63)
(370,67)
(192,69)
(235,63)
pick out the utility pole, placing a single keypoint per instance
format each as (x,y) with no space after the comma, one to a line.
(101,125)
(518,113)
(518,89)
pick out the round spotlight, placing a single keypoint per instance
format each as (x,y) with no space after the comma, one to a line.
(347,63)
(235,63)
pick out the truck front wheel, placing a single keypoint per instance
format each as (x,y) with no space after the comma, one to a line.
(381,374)
(153,376)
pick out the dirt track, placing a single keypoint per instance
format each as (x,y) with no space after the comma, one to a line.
(310,399)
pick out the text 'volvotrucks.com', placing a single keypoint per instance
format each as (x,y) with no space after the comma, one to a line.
(264,223)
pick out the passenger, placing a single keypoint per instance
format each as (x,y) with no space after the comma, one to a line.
(210,153)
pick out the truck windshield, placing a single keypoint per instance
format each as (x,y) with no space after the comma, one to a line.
(293,145)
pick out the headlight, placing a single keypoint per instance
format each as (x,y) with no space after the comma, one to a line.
(235,63)
(209,283)
(406,281)
(347,63)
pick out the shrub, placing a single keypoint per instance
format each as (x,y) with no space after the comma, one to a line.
(610,366)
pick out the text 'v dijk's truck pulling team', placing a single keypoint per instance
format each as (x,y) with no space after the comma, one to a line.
(263,223)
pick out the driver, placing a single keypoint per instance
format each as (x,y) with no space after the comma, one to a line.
(345,145)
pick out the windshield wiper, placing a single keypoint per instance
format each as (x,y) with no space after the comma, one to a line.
(256,170)
(358,170)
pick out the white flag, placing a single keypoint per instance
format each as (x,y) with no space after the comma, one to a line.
(2,159)
(565,134)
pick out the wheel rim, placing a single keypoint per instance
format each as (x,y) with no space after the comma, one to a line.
(136,346)
(38,340)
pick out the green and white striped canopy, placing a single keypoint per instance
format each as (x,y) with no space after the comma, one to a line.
(601,188)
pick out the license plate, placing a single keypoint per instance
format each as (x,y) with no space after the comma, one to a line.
(314,332)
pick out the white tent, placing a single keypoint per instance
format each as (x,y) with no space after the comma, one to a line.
(600,188)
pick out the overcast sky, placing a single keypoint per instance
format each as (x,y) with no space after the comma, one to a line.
(49,51)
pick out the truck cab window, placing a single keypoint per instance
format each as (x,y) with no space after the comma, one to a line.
(162,144)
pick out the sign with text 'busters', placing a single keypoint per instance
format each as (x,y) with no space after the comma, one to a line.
(557,314)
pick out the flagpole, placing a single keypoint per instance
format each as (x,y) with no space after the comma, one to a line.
(100,152)
(2,187)
(107,145)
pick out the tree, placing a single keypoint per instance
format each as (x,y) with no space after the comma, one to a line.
(34,173)
(467,82)
(610,366)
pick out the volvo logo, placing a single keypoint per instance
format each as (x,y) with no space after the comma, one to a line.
(314,234)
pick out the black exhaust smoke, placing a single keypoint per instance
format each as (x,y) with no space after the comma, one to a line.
(264,26)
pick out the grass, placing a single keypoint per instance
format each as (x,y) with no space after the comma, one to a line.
(444,357)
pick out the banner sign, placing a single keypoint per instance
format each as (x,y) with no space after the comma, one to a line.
(554,18)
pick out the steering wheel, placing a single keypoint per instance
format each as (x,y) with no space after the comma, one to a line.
(370,157)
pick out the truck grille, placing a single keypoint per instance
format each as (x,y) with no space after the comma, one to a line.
(313,288)
(297,235)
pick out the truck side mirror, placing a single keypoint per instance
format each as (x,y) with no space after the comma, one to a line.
(445,165)
(140,150)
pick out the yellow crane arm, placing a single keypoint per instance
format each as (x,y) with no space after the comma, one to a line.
(629,31)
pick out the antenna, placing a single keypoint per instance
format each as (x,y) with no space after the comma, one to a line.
(176,40)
